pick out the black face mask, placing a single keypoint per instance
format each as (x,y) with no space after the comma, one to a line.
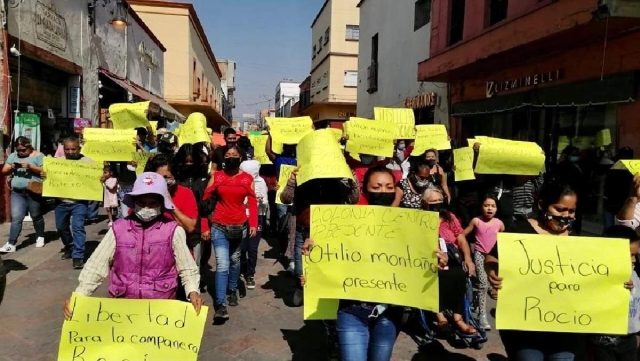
(75,156)
(430,162)
(436,207)
(381,198)
(558,222)
(232,163)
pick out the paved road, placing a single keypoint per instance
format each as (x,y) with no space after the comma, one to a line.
(263,327)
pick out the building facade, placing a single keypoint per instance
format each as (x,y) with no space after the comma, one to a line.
(334,72)
(391,46)
(191,69)
(569,77)
(228,83)
(285,91)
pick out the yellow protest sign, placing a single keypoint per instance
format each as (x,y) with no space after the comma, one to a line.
(141,159)
(336,132)
(194,130)
(259,142)
(393,266)
(72,179)
(285,174)
(489,140)
(320,156)
(403,118)
(463,161)
(115,329)
(324,309)
(431,136)
(115,145)
(632,166)
(557,284)
(154,126)
(129,116)
(289,130)
(504,158)
(472,141)
(370,137)
(603,138)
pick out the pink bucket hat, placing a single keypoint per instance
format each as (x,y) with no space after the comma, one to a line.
(149,183)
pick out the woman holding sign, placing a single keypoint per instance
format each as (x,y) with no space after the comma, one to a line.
(556,214)
(368,331)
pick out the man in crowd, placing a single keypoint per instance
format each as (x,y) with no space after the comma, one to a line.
(230,138)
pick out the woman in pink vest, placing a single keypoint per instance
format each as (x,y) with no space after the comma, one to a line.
(144,253)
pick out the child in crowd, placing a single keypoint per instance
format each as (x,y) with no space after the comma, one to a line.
(485,229)
(110,184)
(622,348)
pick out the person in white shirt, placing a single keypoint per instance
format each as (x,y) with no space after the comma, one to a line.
(629,215)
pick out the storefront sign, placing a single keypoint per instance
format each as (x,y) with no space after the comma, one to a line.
(495,87)
(51,28)
(148,56)
(346,115)
(421,101)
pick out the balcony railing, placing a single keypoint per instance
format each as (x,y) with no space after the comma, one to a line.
(372,77)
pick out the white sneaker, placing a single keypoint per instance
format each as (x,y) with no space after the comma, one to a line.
(39,242)
(8,248)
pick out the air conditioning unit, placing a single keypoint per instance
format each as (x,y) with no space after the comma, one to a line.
(621,8)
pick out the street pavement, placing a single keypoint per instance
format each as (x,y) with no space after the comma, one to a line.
(264,327)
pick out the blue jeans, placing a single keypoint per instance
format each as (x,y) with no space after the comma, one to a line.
(297,251)
(92,210)
(538,355)
(363,338)
(21,202)
(227,264)
(282,210)
(70,219)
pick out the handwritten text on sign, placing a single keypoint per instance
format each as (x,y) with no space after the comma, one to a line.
(373,254)
(319,156)
(194,130)
(114,145)
(259,143)
(370,137)
(285,174)
(129,116)
(103,329)
(509,159)
(557,284)
(632,166)
(463,160)
(403,118)
(289,130)
(431,136)
(72,179)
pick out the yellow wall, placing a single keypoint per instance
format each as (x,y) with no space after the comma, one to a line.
(171,27)
(334,58)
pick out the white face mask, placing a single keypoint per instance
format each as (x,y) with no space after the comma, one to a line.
(147,214)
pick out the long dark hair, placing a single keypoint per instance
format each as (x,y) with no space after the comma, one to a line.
(552,191)
(198,156)
(159,160)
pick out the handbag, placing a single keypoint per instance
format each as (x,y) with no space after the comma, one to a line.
(34,187)
(455,256)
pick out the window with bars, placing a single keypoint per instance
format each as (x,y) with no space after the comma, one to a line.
(353,32)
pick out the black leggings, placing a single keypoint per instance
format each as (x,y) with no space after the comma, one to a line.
(453,286)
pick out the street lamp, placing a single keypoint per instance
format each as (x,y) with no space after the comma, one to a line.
(119,15)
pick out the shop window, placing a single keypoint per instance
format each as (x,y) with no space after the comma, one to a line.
(497,11)
(422,14)
(456,28)
(353,32)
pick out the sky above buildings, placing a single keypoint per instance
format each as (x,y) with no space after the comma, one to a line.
(269,39)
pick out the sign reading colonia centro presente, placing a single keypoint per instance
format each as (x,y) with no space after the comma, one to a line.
(495,87)
(51,28)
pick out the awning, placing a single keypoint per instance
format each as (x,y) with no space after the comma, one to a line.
(610,90)
(214,119)
(167,110)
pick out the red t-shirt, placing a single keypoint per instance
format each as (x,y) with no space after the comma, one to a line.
(231,193)
(184,200)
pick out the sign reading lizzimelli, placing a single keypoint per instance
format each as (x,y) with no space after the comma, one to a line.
(495,87)
(51,27)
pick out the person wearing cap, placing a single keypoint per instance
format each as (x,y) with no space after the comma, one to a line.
(167,143)
(144,253)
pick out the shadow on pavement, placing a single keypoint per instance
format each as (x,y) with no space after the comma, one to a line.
(307,343)
(49,236)
(13,265)
(496,357)
(283,286)
(435,351)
